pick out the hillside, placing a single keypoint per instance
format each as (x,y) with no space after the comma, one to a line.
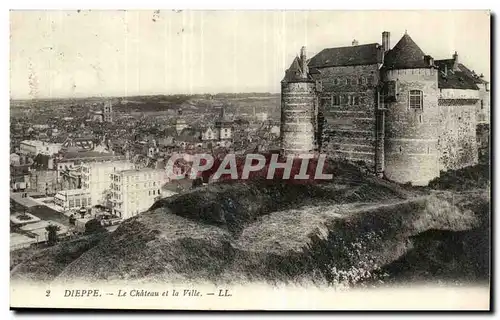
(347,231)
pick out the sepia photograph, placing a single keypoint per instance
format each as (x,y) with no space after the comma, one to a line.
(250,160)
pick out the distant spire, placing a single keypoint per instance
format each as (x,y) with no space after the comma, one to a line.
(406,31)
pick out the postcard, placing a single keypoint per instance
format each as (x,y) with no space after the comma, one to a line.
(250,160)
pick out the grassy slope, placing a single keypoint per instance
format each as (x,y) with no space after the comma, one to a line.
(336,232)
(451,256)
(45,264)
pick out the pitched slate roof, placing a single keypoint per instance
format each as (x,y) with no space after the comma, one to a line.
(454,79)
(472,74)
(347,56)
(406,54)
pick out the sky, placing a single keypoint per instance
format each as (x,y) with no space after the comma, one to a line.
(123,53)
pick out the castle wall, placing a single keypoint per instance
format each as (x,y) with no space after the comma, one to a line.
(347,103)
(457,142)
(298,117)
(483,107)
(411,135)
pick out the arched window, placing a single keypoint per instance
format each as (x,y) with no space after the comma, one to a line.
(415,99)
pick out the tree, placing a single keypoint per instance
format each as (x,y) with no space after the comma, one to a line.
(52,234)
(94,226)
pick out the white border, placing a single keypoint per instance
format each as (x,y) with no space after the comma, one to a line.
(189,4)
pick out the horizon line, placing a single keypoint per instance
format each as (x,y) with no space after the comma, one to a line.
(143,95)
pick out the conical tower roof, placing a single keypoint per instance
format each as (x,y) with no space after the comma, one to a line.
(406,54)
(295,72)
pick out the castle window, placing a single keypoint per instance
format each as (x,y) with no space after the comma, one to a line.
(370,80)
(356,100)
(319,85)
(336,81)
(362,80)
(482,104)
(346,80)
(324,102)
(335,100)
(415,99)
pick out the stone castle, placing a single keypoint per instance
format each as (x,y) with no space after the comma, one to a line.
(400,112)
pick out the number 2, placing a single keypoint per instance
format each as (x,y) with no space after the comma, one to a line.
(47,293)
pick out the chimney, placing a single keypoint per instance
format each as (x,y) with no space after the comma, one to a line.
(355,42)
(429,60)
(303,62)
(455,61)
(386,41)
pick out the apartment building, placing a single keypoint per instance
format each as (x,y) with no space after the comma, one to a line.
(96,178)
(35,147)
(134,191)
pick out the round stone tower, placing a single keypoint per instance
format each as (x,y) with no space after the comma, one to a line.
(412,117)
(298,97)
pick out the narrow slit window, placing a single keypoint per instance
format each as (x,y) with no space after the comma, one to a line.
(335,100)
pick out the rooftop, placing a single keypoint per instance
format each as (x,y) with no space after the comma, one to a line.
(85,154)
(133,171)
(455,79)
(347,56)
(72,192)
(293,73)
(406,54)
